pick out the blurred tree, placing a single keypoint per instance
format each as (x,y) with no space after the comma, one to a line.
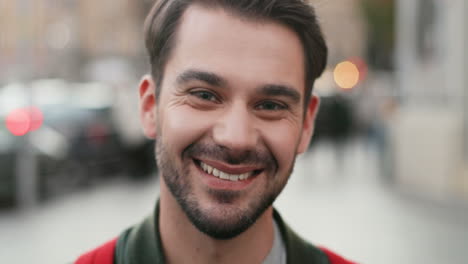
(380,16)
(426,22)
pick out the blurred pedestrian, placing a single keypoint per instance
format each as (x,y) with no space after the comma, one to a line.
(229,101)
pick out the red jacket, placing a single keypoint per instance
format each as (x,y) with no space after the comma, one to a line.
(141,244)
(104,254)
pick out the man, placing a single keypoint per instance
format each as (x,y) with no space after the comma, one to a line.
(229,103)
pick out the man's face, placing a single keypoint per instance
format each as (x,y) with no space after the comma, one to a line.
(230,118)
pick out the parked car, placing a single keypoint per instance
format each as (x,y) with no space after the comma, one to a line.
(12,96)
(79,123)
(78,146)
(7,168)
(78,143)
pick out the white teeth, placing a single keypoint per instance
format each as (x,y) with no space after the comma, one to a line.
(234,177)
(223,175)
(243,176)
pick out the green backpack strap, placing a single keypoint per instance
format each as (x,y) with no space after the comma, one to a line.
(297,249)
(141,243)
(335,258)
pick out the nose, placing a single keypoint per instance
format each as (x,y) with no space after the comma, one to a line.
(235,129)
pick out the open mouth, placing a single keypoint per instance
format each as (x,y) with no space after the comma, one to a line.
(228,176)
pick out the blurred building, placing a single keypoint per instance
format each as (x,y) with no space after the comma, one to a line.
(430,130)
(76,41)
(344,28)
(109,27)
(44,38)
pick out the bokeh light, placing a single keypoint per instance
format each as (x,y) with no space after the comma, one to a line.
(18,122)
(362,67)
(346,75)
(21,121)
(36,118)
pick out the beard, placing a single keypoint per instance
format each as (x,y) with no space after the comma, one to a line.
(223,221)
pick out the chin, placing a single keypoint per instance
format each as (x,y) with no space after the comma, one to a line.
(221,222)
(224,217)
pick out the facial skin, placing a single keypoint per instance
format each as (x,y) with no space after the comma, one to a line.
(232,97)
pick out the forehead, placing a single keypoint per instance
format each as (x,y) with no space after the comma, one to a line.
(245,52)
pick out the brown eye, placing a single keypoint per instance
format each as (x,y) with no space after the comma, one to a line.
(205,95)
(271,106)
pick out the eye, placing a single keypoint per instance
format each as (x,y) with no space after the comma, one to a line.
(205,95)
(271,106)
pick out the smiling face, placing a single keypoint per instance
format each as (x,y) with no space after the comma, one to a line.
(230,118)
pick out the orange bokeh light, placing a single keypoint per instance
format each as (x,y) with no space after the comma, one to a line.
(346,75)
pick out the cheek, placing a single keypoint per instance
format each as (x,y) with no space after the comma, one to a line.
(182,126)
(282,139)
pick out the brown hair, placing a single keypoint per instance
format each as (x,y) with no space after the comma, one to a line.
(164,17)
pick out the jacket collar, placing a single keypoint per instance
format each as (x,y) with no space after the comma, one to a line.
(142,244)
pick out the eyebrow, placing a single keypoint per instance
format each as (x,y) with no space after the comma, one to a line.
(214,79)
(281,90)
(197,75)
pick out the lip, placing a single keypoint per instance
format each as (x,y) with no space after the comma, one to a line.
(216,183)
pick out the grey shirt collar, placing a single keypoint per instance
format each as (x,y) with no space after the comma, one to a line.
(277,253)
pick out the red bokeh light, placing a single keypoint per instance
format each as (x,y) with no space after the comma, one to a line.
(362,67)
(18,122)
(21,121)
(36,117)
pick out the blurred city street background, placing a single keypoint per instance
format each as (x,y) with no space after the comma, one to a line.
(348,208)
(385,179)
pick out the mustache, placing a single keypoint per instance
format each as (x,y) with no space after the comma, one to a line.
(214,151)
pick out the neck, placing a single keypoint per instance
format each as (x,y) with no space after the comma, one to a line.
(182,242)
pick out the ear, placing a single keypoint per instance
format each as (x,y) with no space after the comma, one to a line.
(148,106)
(309,124)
